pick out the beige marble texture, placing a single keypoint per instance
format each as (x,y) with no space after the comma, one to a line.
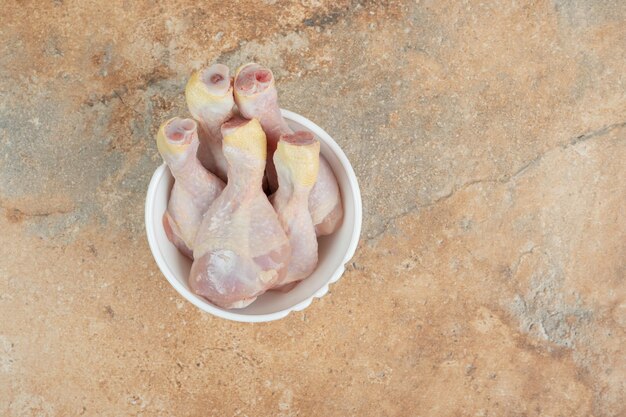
(489,138)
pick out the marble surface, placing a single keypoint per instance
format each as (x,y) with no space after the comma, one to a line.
(489,139)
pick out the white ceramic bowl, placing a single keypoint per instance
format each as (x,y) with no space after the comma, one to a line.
(334,250)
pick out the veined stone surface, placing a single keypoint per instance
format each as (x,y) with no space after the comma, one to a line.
(489,139)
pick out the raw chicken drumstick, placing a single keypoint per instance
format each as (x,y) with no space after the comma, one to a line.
(297,162)
(194,189)
(209,95)
(256,96)
(241,249)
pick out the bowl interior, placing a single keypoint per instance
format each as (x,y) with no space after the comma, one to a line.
(334,250)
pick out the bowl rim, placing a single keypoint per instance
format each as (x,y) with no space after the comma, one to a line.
(158,176)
